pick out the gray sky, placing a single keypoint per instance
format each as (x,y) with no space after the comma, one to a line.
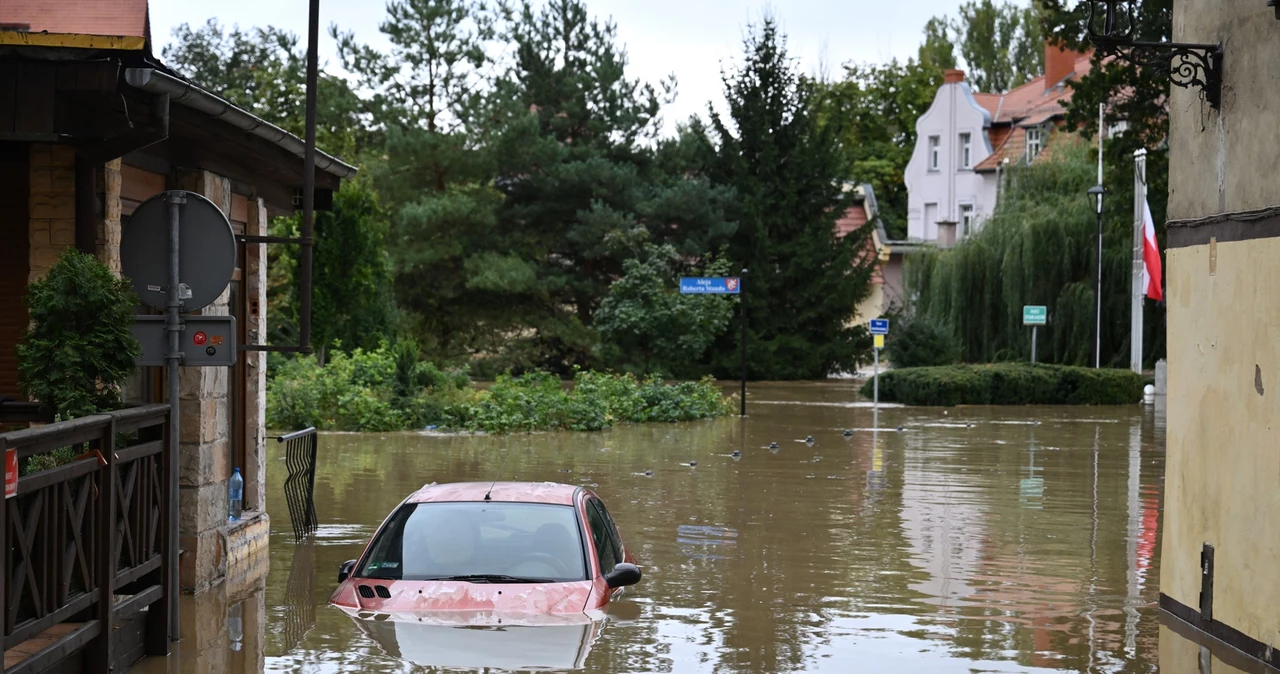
(690,38)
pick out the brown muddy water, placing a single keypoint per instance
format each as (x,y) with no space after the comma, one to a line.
(962,540)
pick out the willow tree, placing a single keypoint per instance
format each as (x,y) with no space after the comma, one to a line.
(1038,248)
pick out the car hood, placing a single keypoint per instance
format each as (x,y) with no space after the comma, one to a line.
(477,640)
(408,596)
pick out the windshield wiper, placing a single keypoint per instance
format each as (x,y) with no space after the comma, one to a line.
(494,578)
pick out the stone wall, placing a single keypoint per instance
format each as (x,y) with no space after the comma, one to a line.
(255,283)
(52,208)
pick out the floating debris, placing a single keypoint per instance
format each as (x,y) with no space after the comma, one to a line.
(849,431)
(773,445)
(736,454)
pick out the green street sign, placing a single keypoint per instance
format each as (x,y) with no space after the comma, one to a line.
(1032,315)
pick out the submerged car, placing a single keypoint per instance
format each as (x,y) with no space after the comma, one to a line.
(503,547)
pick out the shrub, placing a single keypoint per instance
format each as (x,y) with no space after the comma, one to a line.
(921,343)
(1008,384)
(80,348)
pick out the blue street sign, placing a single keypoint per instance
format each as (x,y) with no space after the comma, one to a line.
(710,285)
(879,326)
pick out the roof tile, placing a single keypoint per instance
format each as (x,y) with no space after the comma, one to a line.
(118,18)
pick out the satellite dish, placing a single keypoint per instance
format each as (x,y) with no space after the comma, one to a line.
(206,251)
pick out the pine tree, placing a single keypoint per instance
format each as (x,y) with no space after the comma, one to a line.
(788,171)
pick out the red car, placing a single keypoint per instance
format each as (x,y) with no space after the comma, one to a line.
(505,547)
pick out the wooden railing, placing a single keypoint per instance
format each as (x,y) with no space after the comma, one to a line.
(86,542)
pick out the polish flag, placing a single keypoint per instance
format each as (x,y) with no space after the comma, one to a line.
(1152,274)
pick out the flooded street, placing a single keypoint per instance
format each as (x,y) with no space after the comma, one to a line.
(962,540)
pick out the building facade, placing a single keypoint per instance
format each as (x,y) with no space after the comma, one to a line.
(968,139)
(1221,539)
(91,125)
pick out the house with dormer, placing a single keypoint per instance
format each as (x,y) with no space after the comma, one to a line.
(967,140)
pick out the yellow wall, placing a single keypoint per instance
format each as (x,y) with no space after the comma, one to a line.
(1223,467)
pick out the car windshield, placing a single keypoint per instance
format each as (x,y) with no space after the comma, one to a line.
(479,542)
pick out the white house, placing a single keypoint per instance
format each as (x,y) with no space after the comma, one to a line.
(967,139)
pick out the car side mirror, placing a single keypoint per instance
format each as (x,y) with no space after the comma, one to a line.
(622,575)
(344,572)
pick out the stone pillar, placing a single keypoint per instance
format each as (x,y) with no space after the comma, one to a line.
(52,206)
(204,461)
(255,285)
(108,216)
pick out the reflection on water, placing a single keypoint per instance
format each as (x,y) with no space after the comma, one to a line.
(970,539)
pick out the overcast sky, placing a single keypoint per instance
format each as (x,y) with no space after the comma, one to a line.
(690,38)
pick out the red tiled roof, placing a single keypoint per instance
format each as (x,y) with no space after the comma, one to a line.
(1032,98)
(120,18)
(855,217)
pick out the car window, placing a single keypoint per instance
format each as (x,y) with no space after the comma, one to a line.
(612,528)
(432,541)
(606,549)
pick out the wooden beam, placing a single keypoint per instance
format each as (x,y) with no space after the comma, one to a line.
(75,41)
(36,84)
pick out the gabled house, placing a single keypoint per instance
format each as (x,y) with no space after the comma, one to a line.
(967,140)
(887,283)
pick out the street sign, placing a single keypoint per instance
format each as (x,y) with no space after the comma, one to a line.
(1035,315)
(879,341)
(206,341)
(11,472)
(879,326)
(710,285)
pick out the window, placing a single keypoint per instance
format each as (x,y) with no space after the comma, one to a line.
(966,219)
(935,150)
(1035,142)
(966,151)
(604,535)
(435,541)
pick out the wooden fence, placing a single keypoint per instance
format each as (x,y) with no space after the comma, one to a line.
(87,545)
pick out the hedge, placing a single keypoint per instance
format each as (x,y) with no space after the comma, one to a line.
(1008,384)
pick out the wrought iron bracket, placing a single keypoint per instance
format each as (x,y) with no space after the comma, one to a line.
(1187,65)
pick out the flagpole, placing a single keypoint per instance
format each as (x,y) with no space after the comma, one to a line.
(1139,234)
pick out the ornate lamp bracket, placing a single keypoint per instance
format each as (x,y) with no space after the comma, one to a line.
(1111,25)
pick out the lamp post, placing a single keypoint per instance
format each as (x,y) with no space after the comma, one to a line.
(1095,194)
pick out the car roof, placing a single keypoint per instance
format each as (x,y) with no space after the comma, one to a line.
(517,492)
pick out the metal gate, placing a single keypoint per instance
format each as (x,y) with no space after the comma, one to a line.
(300,485)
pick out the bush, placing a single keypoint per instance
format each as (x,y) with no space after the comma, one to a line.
(921,343)
(390,389)
(1008,384)
(79,349)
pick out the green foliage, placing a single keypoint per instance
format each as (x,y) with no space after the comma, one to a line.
(390,388)
(79,349)
(920,343)
(263,70)
(538,401)
(647,326)
(352,302)
(1002,45)
(382,389)
(786,166)
(1037,248)
(1008,384)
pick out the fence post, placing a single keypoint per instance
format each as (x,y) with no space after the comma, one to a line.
(99,658)
(159,628)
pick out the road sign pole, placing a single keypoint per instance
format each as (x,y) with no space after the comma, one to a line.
(875,386)
(742,306)
(174,358)
(1033,344)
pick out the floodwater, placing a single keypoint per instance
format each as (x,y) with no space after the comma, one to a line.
(928,540)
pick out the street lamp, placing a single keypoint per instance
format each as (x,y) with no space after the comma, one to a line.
(1095,194)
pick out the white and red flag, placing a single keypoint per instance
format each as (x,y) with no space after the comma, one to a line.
(1152,273)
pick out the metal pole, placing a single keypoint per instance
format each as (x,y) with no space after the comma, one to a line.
(1097,300)
(309,181)
(1033,344)
(875,386)
(173,362)
(1139,222)
(742,306)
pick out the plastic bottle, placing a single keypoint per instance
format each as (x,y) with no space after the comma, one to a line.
(235,495)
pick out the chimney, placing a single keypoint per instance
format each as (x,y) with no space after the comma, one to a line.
(1059,63)
(952,76)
